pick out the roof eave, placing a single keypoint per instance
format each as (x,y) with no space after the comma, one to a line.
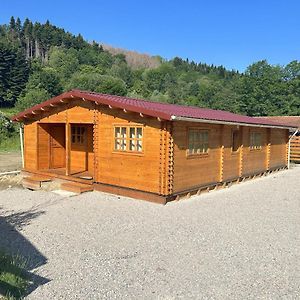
(187,119)
(24,115)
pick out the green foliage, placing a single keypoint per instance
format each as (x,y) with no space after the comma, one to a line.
(65,62)
(97,83)
(46,79)
(39,61)
(6,127)
(32,97)
(13,73)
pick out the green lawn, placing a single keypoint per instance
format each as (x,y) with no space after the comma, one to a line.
(10,144)
(13,278)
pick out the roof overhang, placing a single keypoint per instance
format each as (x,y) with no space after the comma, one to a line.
(67,97)
(186,119)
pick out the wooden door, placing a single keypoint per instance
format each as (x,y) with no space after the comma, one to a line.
(57,147)
(82,154)
(79,160)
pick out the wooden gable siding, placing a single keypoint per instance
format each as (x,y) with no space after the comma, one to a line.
(191,171)
(133,170)
(77,111)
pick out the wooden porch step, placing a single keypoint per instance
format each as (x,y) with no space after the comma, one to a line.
(34,182)
(76,187)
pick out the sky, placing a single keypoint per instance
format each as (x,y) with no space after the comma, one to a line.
(230,33)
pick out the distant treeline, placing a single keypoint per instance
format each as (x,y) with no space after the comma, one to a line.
(39,61)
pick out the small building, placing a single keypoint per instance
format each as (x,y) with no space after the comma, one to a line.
(292,121)
(144,149)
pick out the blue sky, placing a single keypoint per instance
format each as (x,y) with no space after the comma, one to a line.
(231,33)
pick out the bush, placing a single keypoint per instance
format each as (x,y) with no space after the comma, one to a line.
(7,129)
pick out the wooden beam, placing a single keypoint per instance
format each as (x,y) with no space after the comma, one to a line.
(68,147)
(268,152)
(221,153)
(141,115)
(241,151)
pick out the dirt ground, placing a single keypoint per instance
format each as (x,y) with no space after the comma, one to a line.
(10,161)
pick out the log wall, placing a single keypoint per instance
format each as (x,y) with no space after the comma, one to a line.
(221,163)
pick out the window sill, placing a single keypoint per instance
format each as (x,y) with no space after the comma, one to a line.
(235,152)
(193,156)
(134,153)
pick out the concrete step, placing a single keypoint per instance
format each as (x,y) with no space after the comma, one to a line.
(34,182)
(76,187)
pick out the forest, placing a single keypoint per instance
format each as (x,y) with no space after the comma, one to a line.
(39,61)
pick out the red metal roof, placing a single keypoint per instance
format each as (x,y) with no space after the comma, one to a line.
(164,111)
(293,121)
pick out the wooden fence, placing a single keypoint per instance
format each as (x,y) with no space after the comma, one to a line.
(295,149)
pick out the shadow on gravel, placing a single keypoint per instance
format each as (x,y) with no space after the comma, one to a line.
(15,244)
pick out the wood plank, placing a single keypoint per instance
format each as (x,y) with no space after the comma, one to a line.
(76,187)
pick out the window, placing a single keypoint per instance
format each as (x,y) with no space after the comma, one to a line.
(77,135)
(128,138)
(235,144)
(197,141)
(255,141)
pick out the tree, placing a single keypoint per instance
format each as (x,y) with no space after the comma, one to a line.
(64,62)
(12,23)
(46,79)
(13,73)
(32,97)
(97,83)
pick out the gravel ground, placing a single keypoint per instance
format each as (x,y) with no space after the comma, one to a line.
(237,243)
(10,161)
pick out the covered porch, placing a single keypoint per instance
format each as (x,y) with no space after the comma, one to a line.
(65,150)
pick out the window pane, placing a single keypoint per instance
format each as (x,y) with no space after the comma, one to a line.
(117,144)
(139,145)
(123,132)
(117,132)
(123,144)
(235,141)
(139,133)
(132,145)
(132,132)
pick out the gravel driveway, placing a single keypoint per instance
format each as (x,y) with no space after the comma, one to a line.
(237,243)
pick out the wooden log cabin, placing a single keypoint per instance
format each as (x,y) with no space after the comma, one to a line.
(292,121)
(146,150)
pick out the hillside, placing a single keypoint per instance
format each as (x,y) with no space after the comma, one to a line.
(135,59)
(39,61)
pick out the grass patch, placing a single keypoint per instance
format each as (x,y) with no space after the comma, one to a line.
(10,143)
(13,277)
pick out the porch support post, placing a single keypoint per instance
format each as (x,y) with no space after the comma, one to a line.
(68,147)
